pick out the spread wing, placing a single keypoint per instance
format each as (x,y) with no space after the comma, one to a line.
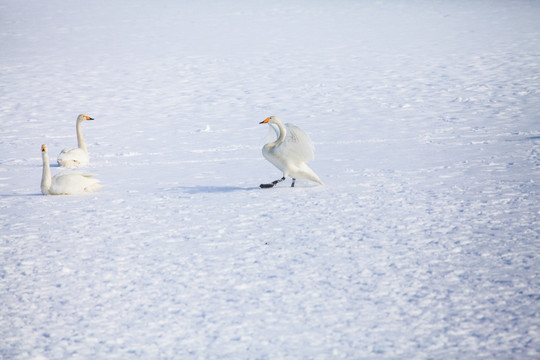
(297,145)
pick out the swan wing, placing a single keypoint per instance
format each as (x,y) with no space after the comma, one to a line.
(74,182)
(75,173)
(297,146)
(73,157)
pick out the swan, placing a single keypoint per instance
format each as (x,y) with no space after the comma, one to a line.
(68,182)
(75,157)
(290,152)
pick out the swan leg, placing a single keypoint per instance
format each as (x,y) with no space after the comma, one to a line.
(293,180)
(266,186)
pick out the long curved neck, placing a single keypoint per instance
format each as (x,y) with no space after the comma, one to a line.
(282,133)
(80,139)
(46,175)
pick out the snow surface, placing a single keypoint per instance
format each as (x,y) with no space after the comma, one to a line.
(424,243)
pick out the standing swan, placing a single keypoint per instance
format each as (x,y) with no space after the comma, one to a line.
(68,182)
(290,152)
(77,156)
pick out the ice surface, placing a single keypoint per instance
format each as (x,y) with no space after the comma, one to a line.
(424,243)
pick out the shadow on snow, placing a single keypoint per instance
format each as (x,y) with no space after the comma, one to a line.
(214,189)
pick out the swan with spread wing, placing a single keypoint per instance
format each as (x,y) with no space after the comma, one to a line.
(290,152)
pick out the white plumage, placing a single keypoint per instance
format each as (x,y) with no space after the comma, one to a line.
(75,157)
(290,152)
(68,182)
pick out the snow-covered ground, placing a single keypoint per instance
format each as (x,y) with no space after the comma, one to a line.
(424,243)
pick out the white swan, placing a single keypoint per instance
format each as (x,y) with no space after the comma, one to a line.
(68,182)
(75,157)
(290,152)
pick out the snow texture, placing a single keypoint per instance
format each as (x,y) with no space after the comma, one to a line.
(424,243)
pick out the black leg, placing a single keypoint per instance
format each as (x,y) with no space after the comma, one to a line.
(266,186)
(293,180)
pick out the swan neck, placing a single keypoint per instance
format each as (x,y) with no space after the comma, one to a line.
(80,140)
(282,133)
(46,175)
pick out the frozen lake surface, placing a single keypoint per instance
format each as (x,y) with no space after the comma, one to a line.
(424,242)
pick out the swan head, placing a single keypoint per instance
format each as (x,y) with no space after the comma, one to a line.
(83,117)
(270,120)
(43,148)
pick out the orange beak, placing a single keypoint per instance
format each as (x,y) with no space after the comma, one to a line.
(265,121)
(43,148)
(88,117)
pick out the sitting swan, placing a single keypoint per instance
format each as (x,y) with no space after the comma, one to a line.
(290,152)
(77,156)
(68,182)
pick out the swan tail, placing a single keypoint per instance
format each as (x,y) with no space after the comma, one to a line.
(316,179)
(92,184)
(309,174)
(93,188)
